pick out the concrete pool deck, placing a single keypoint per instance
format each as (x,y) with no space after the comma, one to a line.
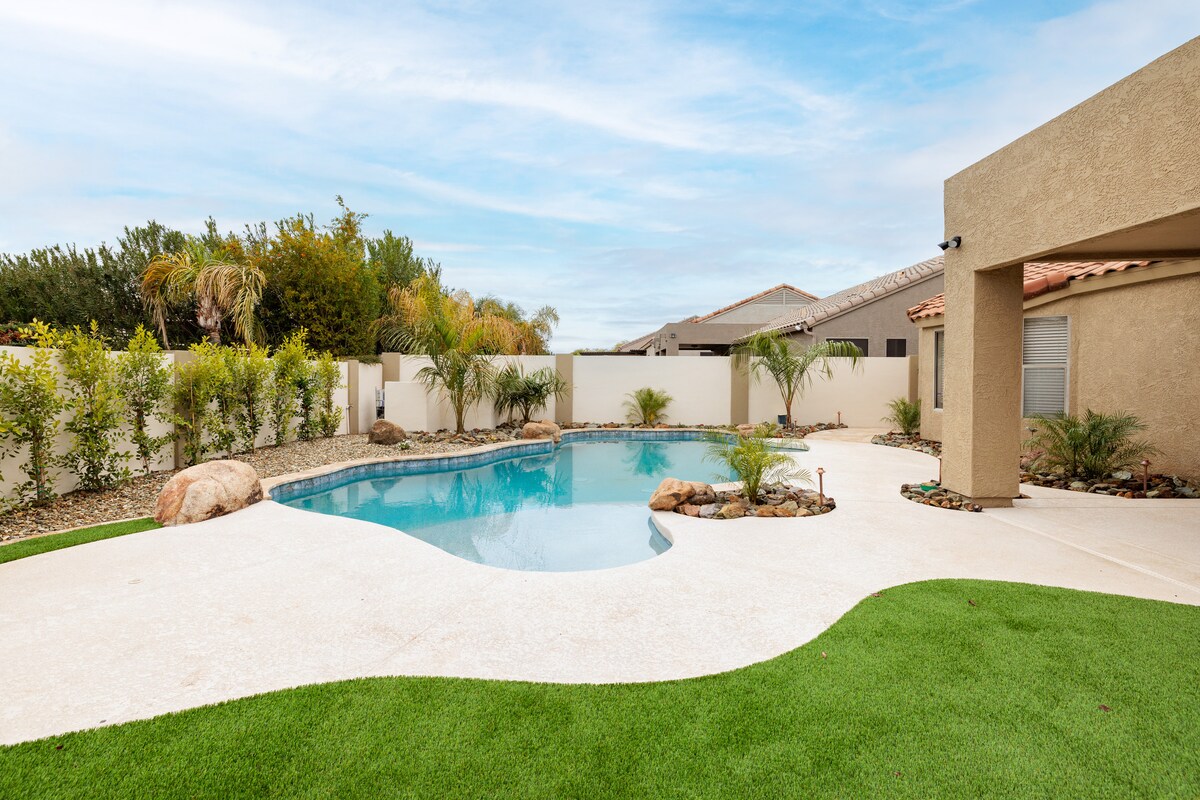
(273,597)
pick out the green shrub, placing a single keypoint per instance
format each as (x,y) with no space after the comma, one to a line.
(753,461)
(144,382)
(289,363)
(250,389)
(95,405)
(906,415)
(199,382)
(519,393)
(646,406)
(328,378)
(30,405)
(1092,446)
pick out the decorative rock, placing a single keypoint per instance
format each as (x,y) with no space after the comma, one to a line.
(690,509)
(384,432)
(732,511)
(709,510)
(1078,486)
(542,430)
(790,506)
(207,490)
(1122,475)
(671,493)
(745,429)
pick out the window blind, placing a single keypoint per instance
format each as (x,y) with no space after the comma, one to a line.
(1044,352)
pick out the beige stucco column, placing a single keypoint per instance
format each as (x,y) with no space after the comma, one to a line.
(981,422)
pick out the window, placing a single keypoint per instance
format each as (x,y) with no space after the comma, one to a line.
(1044,366)
(897,348)
(939,367)
(861,344)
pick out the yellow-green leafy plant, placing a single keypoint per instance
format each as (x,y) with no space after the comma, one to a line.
(327,373)
(1090,447)
(289,366)
(753,462)
(144,381)
(519,394)
(30,405)
(905,415)
(250,392)
(647,406)
(199,381)
(96,407)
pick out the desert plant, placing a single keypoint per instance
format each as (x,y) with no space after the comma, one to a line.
(1092,446)
(288,366)
(647,406)
(30,405)
(250,387)
(95,405)
(753,462)
(199,382)
(524,394)
(905,415)
(791,365)
(219,286)
(328,379)
(144,382)
(767,430)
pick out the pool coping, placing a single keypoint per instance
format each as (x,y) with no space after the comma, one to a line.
(330,475)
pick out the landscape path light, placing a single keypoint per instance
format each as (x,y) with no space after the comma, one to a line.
(1145,475)
(820,486)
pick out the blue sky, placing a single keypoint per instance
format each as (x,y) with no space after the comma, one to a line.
(629,163)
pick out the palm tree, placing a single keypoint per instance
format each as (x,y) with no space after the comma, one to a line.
(219,287)
(457,340)
(791,365)
(533,332)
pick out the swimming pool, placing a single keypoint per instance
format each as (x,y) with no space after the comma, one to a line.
(578,506)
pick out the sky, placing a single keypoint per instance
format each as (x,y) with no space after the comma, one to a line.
(630,163)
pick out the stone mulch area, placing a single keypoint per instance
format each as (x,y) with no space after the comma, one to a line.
(936,496)
(894,439)
(1119,484)
(135,498)
(776,501)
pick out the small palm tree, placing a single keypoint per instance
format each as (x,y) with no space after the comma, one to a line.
(906,415)
(753,461)
(1091,446)
(218,286)
(790,365)
(518,393)
(646,406)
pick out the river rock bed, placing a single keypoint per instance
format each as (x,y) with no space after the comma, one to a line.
(909,443)
(1120,484)
(779,501)
(937,496)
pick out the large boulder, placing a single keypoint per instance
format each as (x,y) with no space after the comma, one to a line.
(746,430)
(672,492)
(542,430)
(384,432)
(207,490)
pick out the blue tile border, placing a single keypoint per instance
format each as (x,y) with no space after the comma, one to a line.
(301,487)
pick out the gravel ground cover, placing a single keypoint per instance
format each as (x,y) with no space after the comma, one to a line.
(894,439)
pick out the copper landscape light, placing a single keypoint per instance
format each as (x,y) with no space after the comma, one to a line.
(820,486)
(1145,475)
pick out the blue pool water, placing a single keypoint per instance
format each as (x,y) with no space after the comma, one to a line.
(580,506)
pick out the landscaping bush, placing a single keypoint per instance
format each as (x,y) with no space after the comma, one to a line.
(905,415)
(95,405)
(144,383)
(30,405)
(250,387)
(753,462)
(647,406)
(328,375)
(1090,447)
(288,365)
(524,394)
(199,381)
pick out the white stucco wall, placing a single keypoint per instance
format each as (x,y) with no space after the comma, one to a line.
(700,387)
(861,395)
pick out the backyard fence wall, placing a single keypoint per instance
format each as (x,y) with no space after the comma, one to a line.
(707,391)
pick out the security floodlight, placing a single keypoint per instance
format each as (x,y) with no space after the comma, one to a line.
(952,242)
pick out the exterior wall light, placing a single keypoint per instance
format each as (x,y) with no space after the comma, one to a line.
(951,243)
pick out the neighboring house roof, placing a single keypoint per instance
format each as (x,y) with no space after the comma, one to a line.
(751,299)
(640,343)
(1040,278)
(855,296)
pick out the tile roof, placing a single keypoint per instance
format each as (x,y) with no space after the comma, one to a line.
(751,299)
(1040,278)
(847,299)
(640,343)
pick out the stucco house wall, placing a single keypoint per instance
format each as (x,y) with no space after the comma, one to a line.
(1134,340)
(881,319)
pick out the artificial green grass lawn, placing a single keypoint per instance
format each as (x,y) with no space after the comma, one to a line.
(947,688)
(57,541)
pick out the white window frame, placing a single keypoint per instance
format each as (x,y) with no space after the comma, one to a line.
(1065,366)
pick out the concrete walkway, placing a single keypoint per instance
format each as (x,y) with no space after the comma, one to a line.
(273,597)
